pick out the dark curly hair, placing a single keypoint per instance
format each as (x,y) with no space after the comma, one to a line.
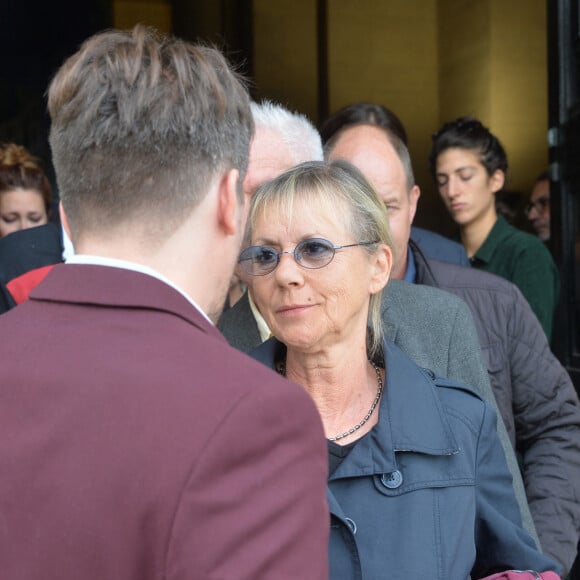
(469,133)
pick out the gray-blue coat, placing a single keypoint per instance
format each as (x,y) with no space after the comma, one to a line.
(427,493)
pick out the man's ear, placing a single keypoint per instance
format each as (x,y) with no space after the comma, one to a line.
(382,264)
(497,180)
(414,196)
(68,248)
(230,212)
(64,219)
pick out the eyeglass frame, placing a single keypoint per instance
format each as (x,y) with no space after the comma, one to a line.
(296,256)
(539,205)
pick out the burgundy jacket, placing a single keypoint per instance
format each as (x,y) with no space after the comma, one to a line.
(135,444)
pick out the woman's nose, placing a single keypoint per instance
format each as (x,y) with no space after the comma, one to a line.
(288,270)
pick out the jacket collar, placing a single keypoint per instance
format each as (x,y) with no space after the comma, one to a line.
(424,274)
(411,416)
(498,233)
(117,287)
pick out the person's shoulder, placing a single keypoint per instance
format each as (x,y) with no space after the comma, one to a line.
(444,384)
(238,377)
(416,305)
(404,293)
(451,277)
(518,240)
(459,397)
(436,246)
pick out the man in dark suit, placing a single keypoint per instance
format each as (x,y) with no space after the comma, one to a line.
(135,443)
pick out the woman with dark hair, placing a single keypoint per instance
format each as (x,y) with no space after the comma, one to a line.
(24,190)
(26,257)
(469,165)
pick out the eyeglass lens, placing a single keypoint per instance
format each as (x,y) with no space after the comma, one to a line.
(312,253)
(539,205)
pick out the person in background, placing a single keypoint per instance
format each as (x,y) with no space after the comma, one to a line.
(534,392)
(25,192)
(418,480)
(537,209)
(29,244)
(469,165)
(135,443)
(432,244)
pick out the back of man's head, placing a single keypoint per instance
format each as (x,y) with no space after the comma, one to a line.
(141,126)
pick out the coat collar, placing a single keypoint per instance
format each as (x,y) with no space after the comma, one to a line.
(412,417)
(117,287)
(423,272)
(500,231)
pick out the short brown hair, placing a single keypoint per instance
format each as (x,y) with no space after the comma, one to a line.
(141,124)
(20,170)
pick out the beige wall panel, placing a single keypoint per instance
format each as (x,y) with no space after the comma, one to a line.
(519,87)
(386,52)
(464,52)
(157,13)
(285,53)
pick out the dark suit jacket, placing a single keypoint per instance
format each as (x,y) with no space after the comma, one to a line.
(437,247)
(22,252)
(135,444)
(239,326)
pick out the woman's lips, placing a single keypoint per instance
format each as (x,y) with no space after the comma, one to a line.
(291,309)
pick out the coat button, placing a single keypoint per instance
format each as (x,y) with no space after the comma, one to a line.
(351,525)
(393,479)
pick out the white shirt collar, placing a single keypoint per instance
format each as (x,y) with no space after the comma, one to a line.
(263,329)
(126,265)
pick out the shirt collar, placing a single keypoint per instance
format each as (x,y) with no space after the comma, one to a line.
(127,265)
(498,233)
(411,271)
(263,328)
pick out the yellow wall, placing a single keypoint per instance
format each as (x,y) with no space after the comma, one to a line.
(285,53)
(427,60)
(464,59)
(386,52)
(519,103)
(157,13)
(493,65)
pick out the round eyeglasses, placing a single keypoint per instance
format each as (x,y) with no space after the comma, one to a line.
(539,205)
(312,253)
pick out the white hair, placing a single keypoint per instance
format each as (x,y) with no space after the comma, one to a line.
(295,130)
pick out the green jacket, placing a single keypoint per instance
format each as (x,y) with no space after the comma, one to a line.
(522,259)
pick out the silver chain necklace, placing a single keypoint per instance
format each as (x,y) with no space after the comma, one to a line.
(281,368)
